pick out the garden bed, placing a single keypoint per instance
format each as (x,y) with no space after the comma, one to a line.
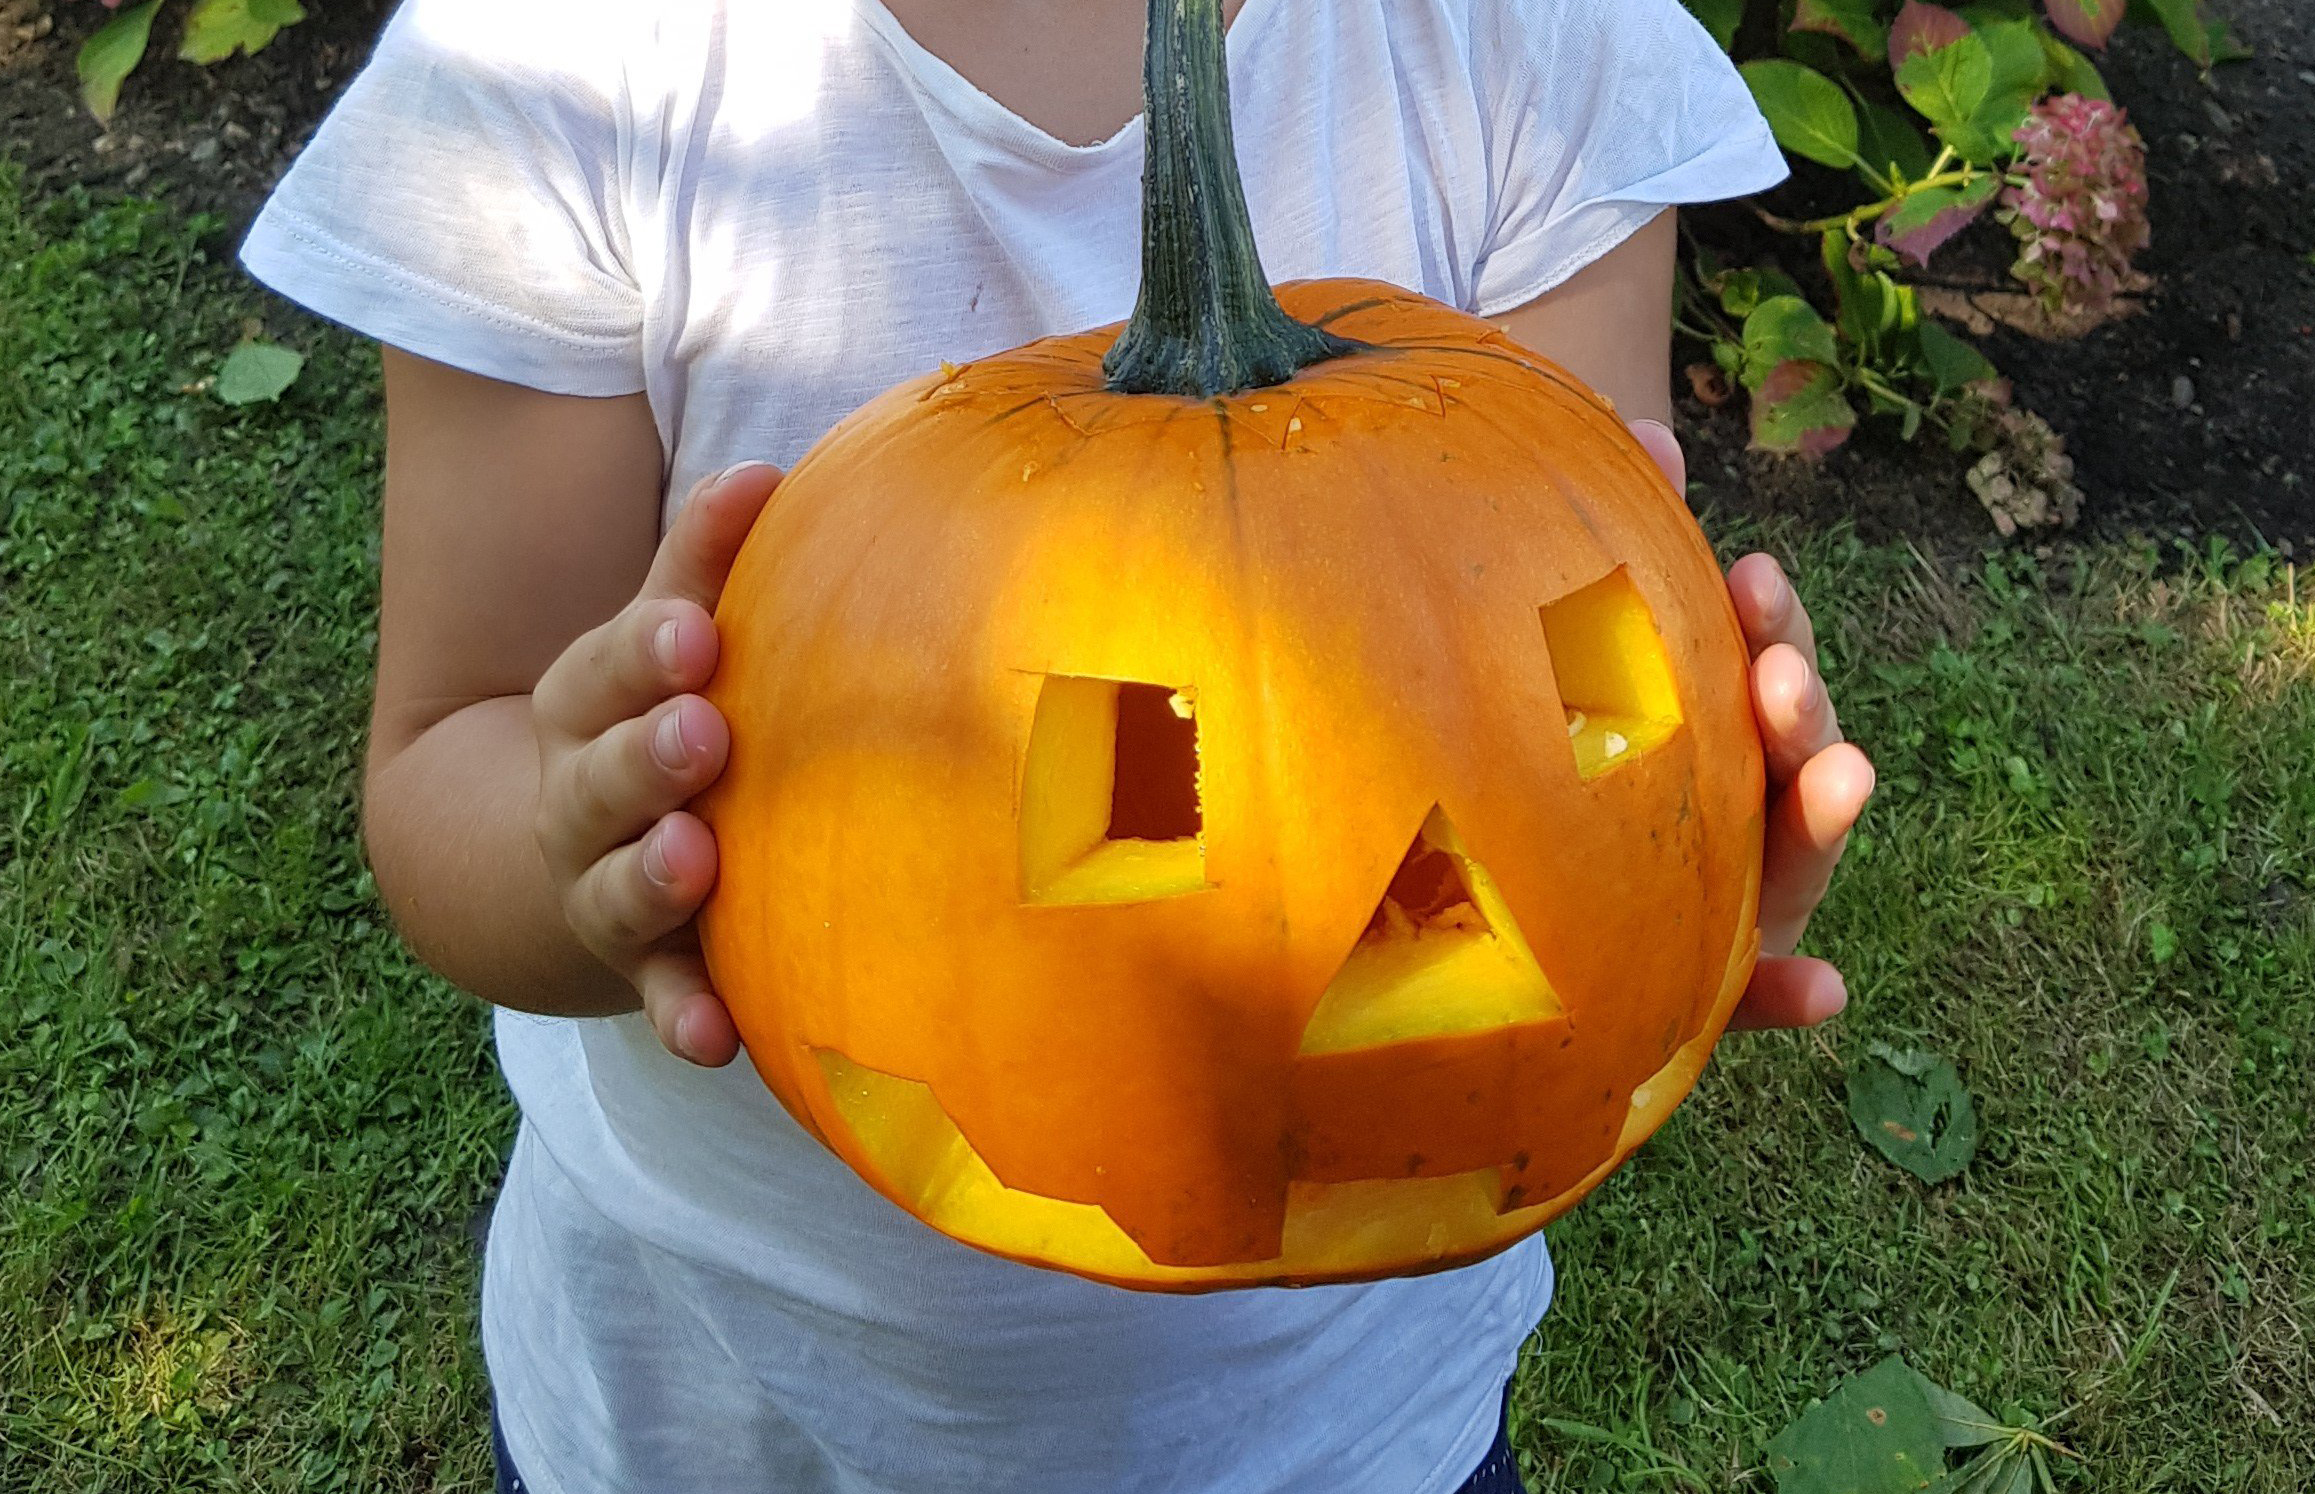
(2186,419)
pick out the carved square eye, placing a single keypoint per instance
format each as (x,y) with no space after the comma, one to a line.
(1615,683)
(1110,796)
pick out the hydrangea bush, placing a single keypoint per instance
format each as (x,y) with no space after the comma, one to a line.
(1939,117)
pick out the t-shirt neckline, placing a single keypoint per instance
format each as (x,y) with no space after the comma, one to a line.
(997,123)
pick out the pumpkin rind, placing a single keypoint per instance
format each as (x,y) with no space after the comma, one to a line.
(1344,580)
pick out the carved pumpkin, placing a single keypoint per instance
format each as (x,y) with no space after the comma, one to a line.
(1284,808)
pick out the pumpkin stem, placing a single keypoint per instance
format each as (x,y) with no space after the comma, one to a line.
(1206,323)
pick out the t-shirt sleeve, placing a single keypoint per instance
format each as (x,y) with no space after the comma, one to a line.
(1601,113)
(465,199)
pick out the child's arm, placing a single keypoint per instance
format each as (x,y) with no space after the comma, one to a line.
(1607,324)
(522,694)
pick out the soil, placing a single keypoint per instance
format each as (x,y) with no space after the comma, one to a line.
(2191,417)
(208,140)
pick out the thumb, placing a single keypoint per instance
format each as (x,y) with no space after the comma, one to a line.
(696,557)
(1656,438)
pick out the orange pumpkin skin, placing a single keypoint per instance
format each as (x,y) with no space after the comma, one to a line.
(1432,614)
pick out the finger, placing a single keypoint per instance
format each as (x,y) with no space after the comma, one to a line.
(1790,991)
(696,556)
(685,1011)
(613,788)
(643,891)
(1808,828)
(1656,438)
(1768,608)
(653,649)
(1795,712)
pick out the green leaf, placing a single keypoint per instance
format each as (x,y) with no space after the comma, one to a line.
(1886,139)
(1953,364)
(1802,409)
(1976,90)
(2162,942)
(2191,29)
(1912,1109)
(1924,221)
(1875,1434)
(2071,72)
(218,28)
(1742,291)
(1782,329)
(107,58)
(1960,1421)
(1872,308)
(1806,109)
(151,793)
(258,371)
(1948,85)
(2021,74)
(1856,22)
(1720,17)
(2224,46)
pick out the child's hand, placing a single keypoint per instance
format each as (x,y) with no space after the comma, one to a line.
(1817,783)
(623,745)
(1817,786)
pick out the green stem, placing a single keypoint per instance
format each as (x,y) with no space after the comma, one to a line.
(1871,210)
(1206,323)
(1876,384)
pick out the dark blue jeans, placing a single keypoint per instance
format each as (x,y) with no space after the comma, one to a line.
(1497,1473)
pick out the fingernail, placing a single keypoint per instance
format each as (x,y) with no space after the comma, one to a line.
(687,1036)
(655,860)
(735,469)
(667,742)
(1781,597)
(667,645)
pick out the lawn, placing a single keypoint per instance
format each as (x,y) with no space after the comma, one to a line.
(246,1138)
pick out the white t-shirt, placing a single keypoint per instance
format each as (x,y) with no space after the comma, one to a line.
(761,215)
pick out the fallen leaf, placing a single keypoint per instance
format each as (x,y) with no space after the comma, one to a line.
(1911,1108)
(1875,1434)
(256,372)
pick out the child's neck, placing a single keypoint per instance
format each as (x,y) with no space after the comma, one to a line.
(1070,67)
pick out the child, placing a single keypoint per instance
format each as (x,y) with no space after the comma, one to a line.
(614,248)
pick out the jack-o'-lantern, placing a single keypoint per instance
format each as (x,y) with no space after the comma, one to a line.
(1281,807)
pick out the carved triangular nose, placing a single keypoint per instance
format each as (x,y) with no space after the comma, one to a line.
(1441,955)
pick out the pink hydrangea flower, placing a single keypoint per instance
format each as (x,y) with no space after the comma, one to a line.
(2081,213)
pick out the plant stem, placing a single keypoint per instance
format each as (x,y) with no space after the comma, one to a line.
(1206,323)
(1871,210)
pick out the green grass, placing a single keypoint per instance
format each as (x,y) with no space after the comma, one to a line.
(2089,877)
(243,1133)
(245,1136)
